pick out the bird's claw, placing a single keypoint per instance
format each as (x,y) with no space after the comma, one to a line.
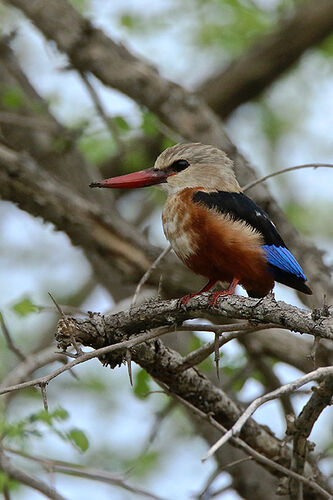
(183,301)
(215,296)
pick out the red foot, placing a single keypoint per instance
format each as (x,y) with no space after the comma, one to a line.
(229,291)
(216,295)
(184,300)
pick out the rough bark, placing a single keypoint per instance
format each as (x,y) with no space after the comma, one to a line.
(163,364)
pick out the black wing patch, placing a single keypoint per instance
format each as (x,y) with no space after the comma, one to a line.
(240,207)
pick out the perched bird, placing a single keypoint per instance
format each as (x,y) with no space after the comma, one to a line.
(212,226)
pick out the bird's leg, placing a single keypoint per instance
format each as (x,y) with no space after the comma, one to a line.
(229,291)
(184,300)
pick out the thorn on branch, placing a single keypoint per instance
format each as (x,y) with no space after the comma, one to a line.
(314,352)
(217,354)
(44,396)
(128,358)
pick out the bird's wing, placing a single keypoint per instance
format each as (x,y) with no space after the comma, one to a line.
(240,207)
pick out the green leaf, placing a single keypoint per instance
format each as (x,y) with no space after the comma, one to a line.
(81,5)
(25,307)
(11,484)
(149,124)
(79,439)
(13,98)
(96,149)
(121,123)
(127,21)
(144,464)
(59,414)
(141,384)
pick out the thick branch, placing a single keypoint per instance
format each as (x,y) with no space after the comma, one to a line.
(167,313)
(163,363)
(256,69)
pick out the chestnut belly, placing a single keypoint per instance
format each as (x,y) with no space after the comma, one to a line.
(216,246)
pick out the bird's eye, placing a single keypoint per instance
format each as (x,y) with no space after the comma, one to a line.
(179,165)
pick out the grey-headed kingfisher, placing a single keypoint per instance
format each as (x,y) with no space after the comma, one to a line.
(214,228)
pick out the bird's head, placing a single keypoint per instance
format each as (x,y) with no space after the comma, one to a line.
(182,166)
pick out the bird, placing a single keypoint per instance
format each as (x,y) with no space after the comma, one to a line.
(213,227)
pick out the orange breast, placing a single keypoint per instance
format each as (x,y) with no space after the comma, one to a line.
(214,245)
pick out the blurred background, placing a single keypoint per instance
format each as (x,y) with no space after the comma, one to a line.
(97,419)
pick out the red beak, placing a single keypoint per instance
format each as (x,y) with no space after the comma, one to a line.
(143,178)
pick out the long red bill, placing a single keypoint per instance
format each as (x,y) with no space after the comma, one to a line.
(143,178)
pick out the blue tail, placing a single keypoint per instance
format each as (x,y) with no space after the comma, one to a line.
(285,268)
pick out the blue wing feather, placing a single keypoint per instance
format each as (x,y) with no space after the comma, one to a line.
(281,257)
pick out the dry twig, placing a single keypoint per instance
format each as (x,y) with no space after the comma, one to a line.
(250,451)
(283,171)
(94,474)
(318,374)
(148,273)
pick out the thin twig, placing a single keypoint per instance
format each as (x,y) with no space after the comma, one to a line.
(86,356)
(6,492)
(258,457)
(68,310)
(101,475)
(147,274)
(159,418)
(221,490)
(60,311)
(283,171)
(203,494)
(111,126)
(32,482)
(9,340)
(226,334)
(284,389)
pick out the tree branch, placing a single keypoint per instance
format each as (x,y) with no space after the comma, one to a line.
(235,430)
(94,474)
(19,475)
(247,76)
(163,364)
(320,399)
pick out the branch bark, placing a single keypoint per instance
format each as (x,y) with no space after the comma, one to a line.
(163,363)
